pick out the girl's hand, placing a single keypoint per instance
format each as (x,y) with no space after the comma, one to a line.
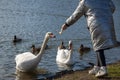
(63,27)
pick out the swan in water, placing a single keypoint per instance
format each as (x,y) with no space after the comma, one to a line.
(27,61)
(64,56)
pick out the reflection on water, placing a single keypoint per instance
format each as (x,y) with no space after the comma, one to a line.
(30,20)
(31,75)
(25,76)
(63,67)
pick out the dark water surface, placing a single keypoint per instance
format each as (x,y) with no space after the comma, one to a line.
(30,20)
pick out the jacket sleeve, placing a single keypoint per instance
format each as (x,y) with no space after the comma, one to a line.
(112,6)
(79,11)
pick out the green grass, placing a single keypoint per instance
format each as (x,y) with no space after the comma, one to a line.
(114,70)
(113,74)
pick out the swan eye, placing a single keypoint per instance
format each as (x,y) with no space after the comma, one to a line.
(52,35)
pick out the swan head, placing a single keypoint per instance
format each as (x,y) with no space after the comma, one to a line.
(49,35)
(70,44)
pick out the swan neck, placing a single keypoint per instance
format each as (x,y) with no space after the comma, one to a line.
(43,47)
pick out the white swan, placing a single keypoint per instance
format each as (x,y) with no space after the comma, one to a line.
(27,61)
(64,56)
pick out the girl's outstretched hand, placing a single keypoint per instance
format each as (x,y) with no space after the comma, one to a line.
(63,27)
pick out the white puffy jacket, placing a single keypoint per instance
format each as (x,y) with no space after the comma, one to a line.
(100,21)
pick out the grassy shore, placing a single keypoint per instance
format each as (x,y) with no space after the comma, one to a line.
(113,74)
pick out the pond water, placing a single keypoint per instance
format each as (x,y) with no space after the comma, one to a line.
(30,20)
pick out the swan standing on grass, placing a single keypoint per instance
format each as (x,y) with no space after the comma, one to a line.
(27,61)
(64,56)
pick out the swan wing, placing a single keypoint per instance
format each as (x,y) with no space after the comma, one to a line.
(69,57)
(25,61)
(62,55)
(24,57)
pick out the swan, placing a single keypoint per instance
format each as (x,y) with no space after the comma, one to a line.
(64,56)
(27,61)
